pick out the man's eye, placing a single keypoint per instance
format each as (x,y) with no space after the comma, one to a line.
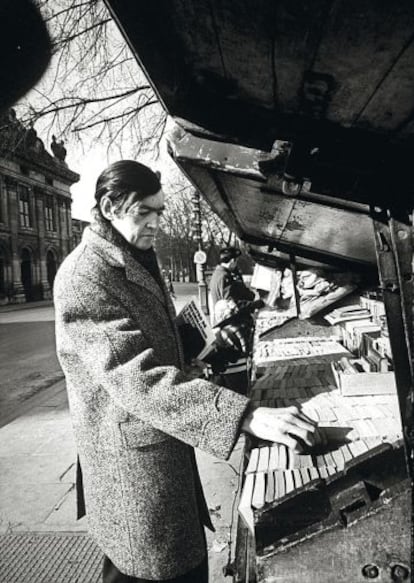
(160,213)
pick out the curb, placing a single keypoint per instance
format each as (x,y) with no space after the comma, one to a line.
(25,306)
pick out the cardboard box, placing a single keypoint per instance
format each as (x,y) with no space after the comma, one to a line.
(364,383)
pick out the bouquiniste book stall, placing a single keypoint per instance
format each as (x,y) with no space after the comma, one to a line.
(294,120)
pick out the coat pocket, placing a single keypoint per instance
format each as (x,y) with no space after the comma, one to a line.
(140,434)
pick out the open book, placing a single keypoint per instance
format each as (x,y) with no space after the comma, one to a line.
(195,330)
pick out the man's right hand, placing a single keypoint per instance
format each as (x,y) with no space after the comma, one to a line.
(287,425)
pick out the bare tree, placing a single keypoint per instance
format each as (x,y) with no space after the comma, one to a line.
(176,243)
(94,89)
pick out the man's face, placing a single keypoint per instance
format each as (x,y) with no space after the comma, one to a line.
(138,220)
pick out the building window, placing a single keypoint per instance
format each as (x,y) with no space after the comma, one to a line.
(50,214)
(24,206)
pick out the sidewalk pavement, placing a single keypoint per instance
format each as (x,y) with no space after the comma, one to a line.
(25,306)
(40,539)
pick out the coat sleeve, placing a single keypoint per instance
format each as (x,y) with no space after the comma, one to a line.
(233,288)
(113,349)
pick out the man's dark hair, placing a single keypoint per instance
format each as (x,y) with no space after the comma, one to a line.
(123,177)
(229,253)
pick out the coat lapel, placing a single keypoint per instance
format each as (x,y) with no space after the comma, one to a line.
(135,273)
(118,257)
(140,276)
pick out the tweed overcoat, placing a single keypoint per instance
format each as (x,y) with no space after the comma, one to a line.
(136,417)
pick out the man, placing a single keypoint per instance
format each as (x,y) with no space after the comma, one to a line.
(232,301)
(227,282)
(136,416)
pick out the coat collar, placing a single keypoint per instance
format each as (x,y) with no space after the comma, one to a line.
(120,257)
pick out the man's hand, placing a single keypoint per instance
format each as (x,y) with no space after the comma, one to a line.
(287,425)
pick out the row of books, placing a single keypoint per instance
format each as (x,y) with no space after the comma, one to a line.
(362,329)
(363,364)
(362,333)
(375,307)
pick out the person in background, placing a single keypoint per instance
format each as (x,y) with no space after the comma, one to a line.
(168,282)
(136,416)
(232,305)
(227,281)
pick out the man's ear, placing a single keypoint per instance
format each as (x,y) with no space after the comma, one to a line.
(106,208)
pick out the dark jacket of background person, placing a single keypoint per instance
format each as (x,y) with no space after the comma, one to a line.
(135,415)
(226,284)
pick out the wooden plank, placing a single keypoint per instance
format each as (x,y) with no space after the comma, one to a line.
(257,212)
(356,31)
(297,30)
(245,43)
(196,35)
(391,106)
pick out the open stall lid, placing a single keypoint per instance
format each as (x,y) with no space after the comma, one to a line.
(295,119)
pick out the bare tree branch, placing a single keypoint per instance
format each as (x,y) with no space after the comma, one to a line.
(119,116)
(81,32)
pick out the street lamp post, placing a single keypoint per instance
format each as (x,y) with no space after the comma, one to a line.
(199,256)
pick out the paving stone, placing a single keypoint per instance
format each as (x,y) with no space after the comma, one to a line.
(29,504)
(37,469)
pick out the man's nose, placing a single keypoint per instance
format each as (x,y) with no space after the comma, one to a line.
(153,221)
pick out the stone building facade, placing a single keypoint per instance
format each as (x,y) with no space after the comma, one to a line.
(78,226)
(35,212)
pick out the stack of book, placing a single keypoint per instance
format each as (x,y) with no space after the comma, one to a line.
(352,324)
(348,314)
(375,307)
(362,328)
